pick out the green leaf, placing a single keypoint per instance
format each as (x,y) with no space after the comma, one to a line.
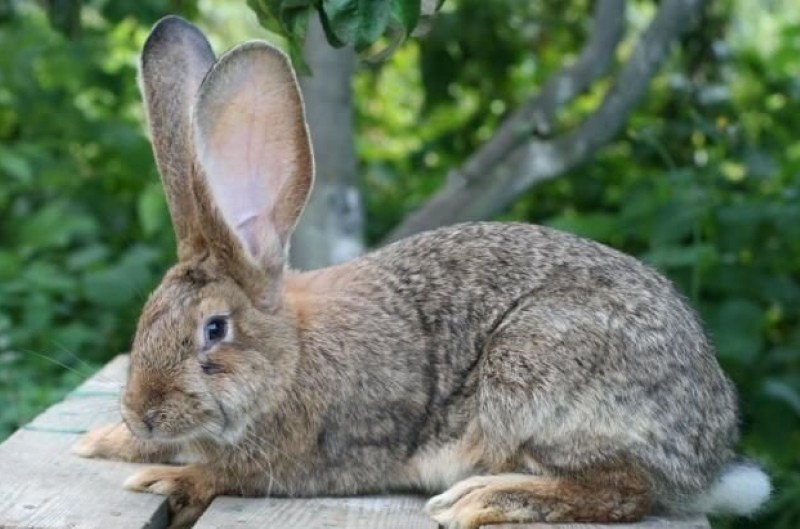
(330,32)
(10,263)
(681,256)
(288,18)
(65,16)
(46,277)
(15,165)
(55,225)
(75,336)
(675,222)
(346,22)
(356,22)
(296,20)
(152,209)
(407,13)
(598,226)
(294,16)
(86,257)
(298,60)
(736,330)
(784,391)
(268,14)
(118,285)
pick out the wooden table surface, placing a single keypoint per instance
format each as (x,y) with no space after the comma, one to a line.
(42,485)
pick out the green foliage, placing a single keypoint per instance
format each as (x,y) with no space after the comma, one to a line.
(85,231)
(358,23)
(288,18)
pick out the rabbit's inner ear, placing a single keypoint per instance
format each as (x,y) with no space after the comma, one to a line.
(253,147)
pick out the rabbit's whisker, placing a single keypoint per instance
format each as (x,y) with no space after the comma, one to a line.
(91,372)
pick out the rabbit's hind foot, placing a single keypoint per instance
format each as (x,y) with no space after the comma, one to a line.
(481,500)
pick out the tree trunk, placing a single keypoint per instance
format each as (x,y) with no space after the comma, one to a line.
(331,228)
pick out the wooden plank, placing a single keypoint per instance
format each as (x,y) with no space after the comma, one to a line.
(43,485)
(371,512)
(392,512)
(696,522)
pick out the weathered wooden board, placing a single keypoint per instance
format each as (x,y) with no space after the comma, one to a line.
(379,512)
(394,512)
(697,522)
(43,485)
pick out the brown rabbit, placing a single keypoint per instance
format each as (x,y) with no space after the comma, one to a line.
(529,374)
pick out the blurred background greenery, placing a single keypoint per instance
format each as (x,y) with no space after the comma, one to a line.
(703,183)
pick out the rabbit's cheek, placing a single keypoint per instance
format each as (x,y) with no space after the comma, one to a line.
(234,431)
(227,419)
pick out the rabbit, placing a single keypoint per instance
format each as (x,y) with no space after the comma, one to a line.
(517,372)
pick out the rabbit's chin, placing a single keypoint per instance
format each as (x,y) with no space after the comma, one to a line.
(228,433)
(215,432)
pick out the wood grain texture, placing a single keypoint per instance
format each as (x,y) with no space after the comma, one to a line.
(43,485)
(697,522)
(381,512)
(377,512)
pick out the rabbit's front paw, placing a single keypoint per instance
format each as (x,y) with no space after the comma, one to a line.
(112,441)
(189,490)
(115,441)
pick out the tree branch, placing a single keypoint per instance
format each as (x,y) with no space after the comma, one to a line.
(511,161)
(539,113)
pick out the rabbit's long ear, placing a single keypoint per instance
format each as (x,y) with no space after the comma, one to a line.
(254,150)
(175,59)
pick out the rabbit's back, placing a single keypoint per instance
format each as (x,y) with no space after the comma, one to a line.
(527,340)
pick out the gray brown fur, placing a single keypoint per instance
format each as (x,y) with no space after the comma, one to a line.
(574,377)
(515,328)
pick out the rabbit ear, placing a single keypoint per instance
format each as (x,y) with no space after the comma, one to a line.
(175,58)
(253,147)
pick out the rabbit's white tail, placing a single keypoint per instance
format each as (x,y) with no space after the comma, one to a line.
(741,488)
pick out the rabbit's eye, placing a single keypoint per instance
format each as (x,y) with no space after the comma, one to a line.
(216,330)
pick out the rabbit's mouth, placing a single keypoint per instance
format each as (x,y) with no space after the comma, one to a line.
(169,426)
(196,433)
